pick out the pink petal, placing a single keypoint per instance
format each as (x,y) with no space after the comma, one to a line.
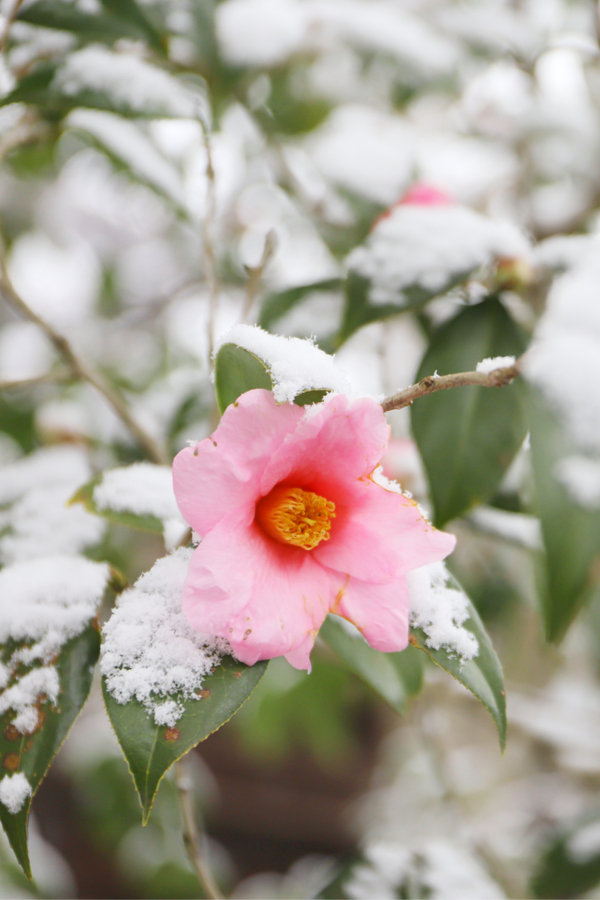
(380,536)
(222,473)
(379,611)
(265,598)
(337,442)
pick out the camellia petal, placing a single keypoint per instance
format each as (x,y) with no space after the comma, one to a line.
(222,472)
(266,599)
(386,631)
(381,536)
(294,526)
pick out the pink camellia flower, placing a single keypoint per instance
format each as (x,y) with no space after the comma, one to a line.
(294,526)
(423,194)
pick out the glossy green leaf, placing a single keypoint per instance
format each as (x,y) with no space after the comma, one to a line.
(151,750)
(394,676)
(85,496)
(482,675)
(87,26)
(275,306)
(237,371)
(359,310)
(569,568)
(468,436)
(569,867)
(32,754)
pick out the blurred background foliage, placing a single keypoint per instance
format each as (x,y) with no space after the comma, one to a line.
(315,117)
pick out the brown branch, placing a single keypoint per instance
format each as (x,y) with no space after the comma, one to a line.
(191,836)
(55,376)
(256,273)
(10,18)
(81,370)
(432,383)
(208,245)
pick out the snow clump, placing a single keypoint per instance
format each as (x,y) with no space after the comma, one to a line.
(430,247)
(143,489)
(150,651)
(439,608)
(44,603)
(14,790)
(491,363)
(295,364)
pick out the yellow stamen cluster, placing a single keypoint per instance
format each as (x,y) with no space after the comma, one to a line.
(293,516)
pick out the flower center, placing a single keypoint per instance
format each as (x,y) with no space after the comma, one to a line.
(293,516)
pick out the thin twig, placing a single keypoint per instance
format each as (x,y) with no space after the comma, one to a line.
(256,273)
(55,376)
(81,370)
(432,383)
(208,246)
(191,836)
(10,18)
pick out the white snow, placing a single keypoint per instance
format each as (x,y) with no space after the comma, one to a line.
(48,466)
(42,524)
(439,607)
(584,844)
(294,364)
(581,477)
(564,358)
(259,32)
(150,651)
(144,489)
(430,247)
(128,142)
(516,527)
(491,363)
(128,80)
(14,790)
(43,603)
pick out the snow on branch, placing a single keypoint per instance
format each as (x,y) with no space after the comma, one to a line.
(499,377)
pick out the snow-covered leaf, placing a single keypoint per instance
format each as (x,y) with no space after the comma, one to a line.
(165,686)
(294,369)
(49,646)
(394,676)
(87,26)
(480,672)
(468,437)
(139,496)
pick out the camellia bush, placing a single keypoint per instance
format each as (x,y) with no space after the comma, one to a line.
(299,367)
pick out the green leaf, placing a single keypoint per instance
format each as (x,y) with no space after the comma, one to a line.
(569,568)
(151,750)
(85,496)
(564,870)
(482,675)
(34,88)
(68,17)
(359,310)
(32,754)
(131,13)
(468,436)
(237,371)
(275,306)
(394,676)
